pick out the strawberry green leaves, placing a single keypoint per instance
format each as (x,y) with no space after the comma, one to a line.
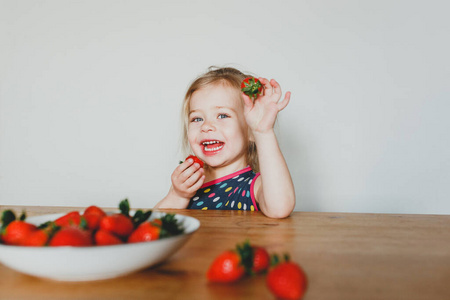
(252,87)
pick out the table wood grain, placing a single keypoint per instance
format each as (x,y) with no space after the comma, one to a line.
(345,256)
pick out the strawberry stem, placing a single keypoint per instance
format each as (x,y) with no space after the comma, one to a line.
(245,252)
(274,260)
(23,216)
(7,217)
(140,217)
(287,257)
(170,226)
(124,207)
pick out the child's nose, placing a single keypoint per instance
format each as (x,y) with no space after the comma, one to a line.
(208,126)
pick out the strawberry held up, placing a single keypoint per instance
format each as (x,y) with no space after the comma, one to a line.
(252,87)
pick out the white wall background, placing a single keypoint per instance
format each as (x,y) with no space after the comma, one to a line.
(90,93)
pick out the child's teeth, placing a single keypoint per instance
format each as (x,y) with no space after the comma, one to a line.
(213,149)
(207,148)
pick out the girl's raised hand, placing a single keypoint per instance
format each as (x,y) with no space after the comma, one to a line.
(187,178)
(262,113)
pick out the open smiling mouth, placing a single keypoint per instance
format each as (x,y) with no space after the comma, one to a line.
(211,146)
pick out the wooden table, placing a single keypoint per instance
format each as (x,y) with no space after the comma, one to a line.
(345,256)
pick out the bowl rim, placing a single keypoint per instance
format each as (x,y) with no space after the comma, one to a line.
(53,216)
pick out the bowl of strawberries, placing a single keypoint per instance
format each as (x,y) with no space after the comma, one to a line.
(91,244)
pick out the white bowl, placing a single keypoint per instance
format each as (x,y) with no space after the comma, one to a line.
(96,262)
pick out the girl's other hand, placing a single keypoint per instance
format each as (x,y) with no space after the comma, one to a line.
(187,178)
(262,113)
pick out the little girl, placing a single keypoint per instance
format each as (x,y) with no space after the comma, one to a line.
(244,168)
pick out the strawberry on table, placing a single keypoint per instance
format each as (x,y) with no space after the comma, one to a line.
(287,280)
(231,265)
(252,87)
(261,259)
(226,267)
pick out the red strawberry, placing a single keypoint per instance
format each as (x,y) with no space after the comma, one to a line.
(37,238)
(71,236)
(103,238)
(287,281)
(226,267)
(158,222)
(252,87)
(232,265)
(118,224)
(92,221)
(69,219)
(147,231)
(261,259)
(93,215)
(196,160)
(94,210)
(17,231)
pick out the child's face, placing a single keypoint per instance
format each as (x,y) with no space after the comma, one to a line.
(217,132)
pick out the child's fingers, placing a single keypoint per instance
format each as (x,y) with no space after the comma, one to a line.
(248,103)
(276,87)
(197,185)
(193,179)
(281,105)
(189,172)
(184,170)
(183,166)
(268,89)
(277,91)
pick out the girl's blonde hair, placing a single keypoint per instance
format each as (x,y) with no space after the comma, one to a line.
(229,77)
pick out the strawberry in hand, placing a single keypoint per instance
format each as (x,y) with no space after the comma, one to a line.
(196,160)
(252,87)
(261,113)
(186,179)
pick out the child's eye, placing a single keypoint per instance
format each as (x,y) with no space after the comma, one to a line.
(223,116)
(196,119)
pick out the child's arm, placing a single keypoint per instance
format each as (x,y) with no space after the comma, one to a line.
(274,189)
(187,178)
